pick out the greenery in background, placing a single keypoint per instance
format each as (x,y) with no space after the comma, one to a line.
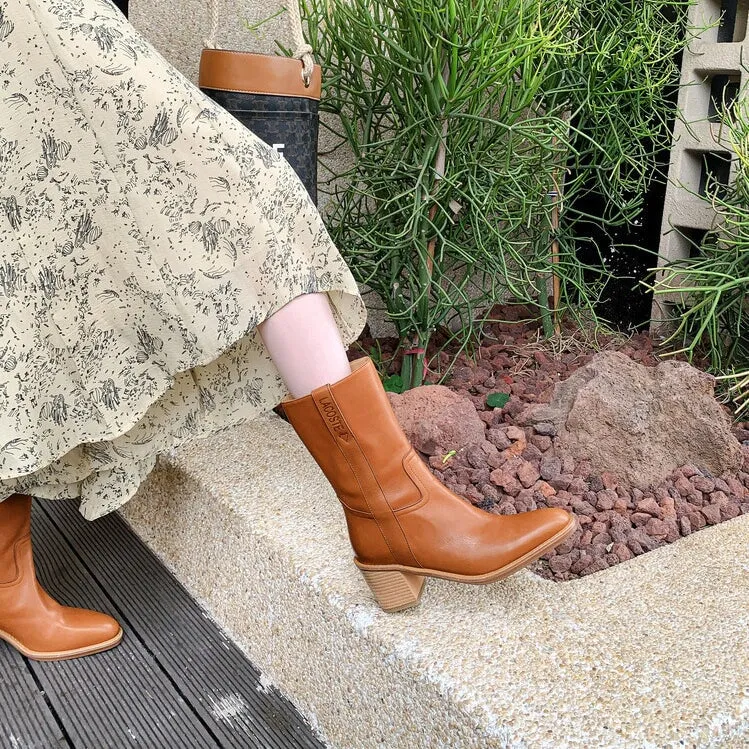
(714,283)
(462,117)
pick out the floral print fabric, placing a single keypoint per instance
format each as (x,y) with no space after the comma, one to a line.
(144,234)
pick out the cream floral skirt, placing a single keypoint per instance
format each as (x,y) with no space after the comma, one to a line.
(144,234)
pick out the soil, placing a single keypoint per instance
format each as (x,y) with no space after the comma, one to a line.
(617,522)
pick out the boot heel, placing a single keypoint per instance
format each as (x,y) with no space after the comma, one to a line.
(394,590)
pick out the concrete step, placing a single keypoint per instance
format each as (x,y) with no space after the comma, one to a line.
(651,653)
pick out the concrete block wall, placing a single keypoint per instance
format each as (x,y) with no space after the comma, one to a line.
(713,72)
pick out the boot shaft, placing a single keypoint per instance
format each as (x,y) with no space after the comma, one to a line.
(354,436)
(15,526)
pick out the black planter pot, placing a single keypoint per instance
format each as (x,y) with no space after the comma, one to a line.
(267,94)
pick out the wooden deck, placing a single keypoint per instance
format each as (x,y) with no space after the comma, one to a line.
(174,681)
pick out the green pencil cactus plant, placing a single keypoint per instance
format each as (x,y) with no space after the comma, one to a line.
(464,119)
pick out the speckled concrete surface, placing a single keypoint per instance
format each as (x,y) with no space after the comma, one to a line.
(651,653)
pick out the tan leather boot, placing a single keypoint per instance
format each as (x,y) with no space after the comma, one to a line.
(404,525)
(30,620)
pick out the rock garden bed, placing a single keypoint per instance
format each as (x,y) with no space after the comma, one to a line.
(639,450)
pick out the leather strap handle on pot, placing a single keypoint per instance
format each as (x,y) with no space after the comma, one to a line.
(302,50)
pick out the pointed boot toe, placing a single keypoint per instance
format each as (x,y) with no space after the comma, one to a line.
(80,632)
(551,525)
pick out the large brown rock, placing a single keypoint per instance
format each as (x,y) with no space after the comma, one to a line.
(640,423)
(432,416)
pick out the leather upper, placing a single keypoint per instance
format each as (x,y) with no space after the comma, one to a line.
(397,512)
(27,612)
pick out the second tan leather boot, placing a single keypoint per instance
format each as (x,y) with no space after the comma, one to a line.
(404,524)
(30,620)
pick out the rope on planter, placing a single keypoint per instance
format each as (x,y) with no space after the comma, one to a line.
(210,42)
(302,50)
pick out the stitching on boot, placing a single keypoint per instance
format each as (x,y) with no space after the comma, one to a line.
(353,471)
(19,573)
(347,429)
(423,492)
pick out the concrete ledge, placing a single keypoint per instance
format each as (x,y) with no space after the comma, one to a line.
(651,653)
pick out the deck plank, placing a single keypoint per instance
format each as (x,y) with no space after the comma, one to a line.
(222,686)
(26,722)
(120,698)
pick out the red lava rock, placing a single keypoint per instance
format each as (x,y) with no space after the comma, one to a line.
(560,563)
(602,538)
(541,442)
(697,520)
(685,526)
(489,491)
(578,485)
(702,484)
(730,511)
(688,471)
(509,484)
(584,561)
(595,483)
(736,488)
(605,499)
(722,486)
(639,518)
(696,499)
(668,509)
(499,438)
(545,429)
(532,454)
(475,456)
(622,552)
(581,507)
(556,501)
(621,506)
(597,565)
(598,527)
(568,464)
(473,495)
(648,505)
(514,433)
(683,486)
(564,495)
(634,546)
(434,415)
(719,499)
(550,468)
(480,476)
(646,541)
(620,528)
(507,508)
(711,513)
(544,489)
(656,528)
(527,474)
(513,407)
(561,482)
(609,480)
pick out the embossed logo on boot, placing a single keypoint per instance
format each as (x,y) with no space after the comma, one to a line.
(334,419)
